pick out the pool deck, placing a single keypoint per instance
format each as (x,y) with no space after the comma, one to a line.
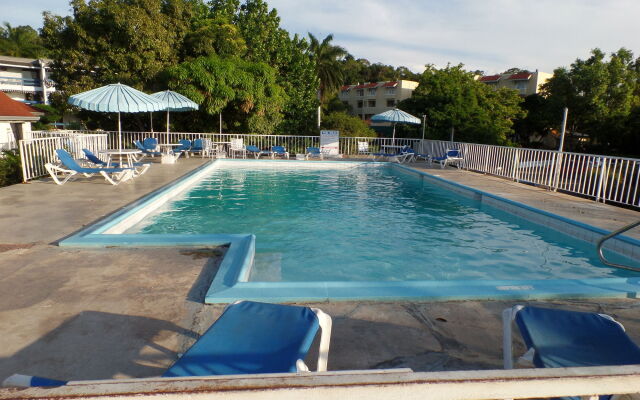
(90,314)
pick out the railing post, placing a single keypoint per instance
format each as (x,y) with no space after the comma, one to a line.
(23,160)
(515,171)
(602,186)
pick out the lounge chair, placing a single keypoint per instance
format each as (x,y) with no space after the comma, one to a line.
(140,168)
(248,338)
(151,144)
(237,146)
(451,156)
(197,146)
(70,168)
(255,150)
(314,152)
(279,151)
(144,150)
(561,338)
(185,147)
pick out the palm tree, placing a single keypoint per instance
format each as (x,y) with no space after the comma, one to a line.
(326,58)
(20,41)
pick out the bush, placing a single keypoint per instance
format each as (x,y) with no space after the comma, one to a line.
(348,125)
(10,168)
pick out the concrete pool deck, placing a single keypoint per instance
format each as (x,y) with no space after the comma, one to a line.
(89,314)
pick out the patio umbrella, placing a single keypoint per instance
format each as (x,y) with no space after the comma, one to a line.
(116,98)
(173,101)
(396,116)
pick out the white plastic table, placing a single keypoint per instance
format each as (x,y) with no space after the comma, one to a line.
(129,153)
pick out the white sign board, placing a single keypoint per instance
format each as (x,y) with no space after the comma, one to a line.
(330,142)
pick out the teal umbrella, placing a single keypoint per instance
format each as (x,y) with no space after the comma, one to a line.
(173,101)
(116,98)
(396,116)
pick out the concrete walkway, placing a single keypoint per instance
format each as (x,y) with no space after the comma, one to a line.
(91,314)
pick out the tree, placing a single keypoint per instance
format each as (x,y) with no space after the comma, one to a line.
(267,42)
(107,41)
(348,125)
(452,98)
(326,58)
(245,92)
(601,95)
(21,41)
(514,70)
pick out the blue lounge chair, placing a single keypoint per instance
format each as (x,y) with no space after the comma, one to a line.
(185,147)
(70,168)
(255,150)
(279,151)
(140,168)
(248,338)
(314,152)
(197,146)
(451,156)
(150,144)
(144,150)
(560,338)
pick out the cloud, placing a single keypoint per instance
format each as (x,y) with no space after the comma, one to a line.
(491,35)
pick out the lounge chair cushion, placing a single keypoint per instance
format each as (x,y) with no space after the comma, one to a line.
(251,338)
(564,338)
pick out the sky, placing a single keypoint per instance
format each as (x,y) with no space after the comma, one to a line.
(489,35)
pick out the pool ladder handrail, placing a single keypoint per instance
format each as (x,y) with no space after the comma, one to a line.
(609,236)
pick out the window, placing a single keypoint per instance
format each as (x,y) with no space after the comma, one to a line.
(371,103)
(521,86)
(390,91)
(360,103)
(360,92)
(391,103)
(371,92)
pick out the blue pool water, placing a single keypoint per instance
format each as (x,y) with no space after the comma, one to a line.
(371,222)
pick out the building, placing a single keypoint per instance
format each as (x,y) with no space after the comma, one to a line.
(526,83)
(368,99)
(15,121)
(26,79)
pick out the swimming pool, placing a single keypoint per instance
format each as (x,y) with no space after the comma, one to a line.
(340,230)
(369,222)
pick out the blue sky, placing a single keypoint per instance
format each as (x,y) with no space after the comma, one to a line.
(490,35)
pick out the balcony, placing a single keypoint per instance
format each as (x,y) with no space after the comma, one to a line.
(24,85)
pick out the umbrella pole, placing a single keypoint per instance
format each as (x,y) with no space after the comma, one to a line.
(151,120)
(167,126)
(393,141)
(120,138)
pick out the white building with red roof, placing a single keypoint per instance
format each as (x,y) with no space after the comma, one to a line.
(526,83)
(15,121)
(372,98)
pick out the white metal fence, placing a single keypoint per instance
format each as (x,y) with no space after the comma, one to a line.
(35,153)
(603,178)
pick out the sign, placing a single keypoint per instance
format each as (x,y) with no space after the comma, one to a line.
(330,143)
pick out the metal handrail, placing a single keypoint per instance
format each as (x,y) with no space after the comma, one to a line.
(609,236)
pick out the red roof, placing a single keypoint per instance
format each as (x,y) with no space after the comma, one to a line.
(345,88)
(390,84)
(490,78)
(13,108)
(521,76)
(367,85)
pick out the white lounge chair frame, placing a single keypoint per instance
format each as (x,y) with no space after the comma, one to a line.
(447,160)
(61,175)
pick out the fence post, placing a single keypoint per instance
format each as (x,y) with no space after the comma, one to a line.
(23,160)
(515,173)
(602,185)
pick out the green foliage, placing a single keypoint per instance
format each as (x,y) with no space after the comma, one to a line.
(451,97)
(10,168)
(107,41)
(326,58)
(21,41)
(602,96)
(361,70)
(245,92)
(214,36)
(348,125)
(51,115)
